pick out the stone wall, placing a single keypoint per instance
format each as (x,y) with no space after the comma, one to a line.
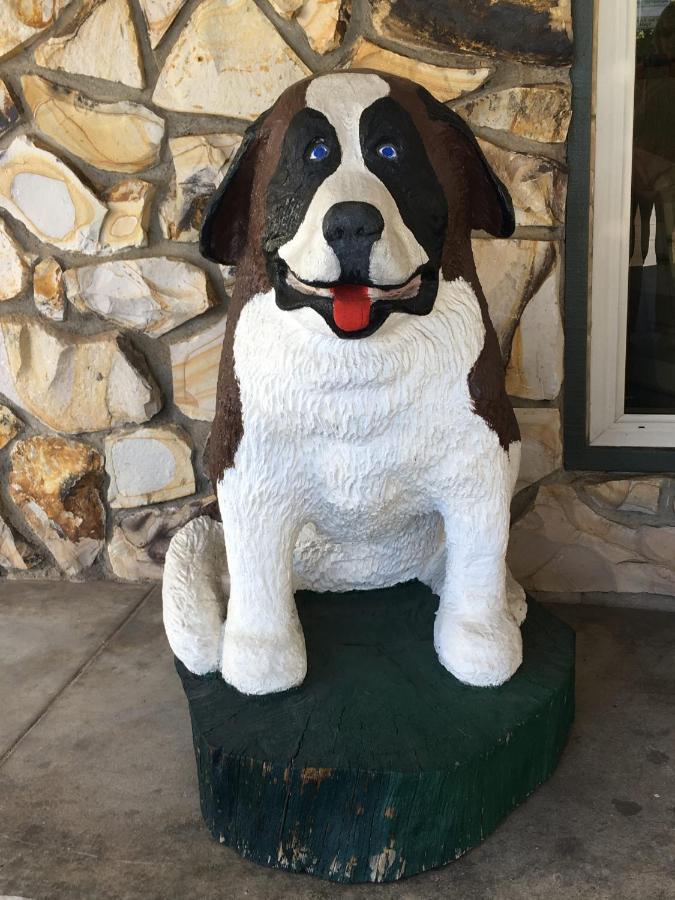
(117,118)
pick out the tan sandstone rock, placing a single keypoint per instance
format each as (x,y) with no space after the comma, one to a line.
(511,272)
(15,552)
(10,556)
(229,60)
(228,275)
(9,114)
(149,465)
(43,193)
(159,14)
(627,494)
(541,450)
(194,369)
(537,185)
(535,367)
(126,223)
(539,112)
(119,137)
(286,8)
(48,289)
(102,43)
(55,483)
(10,425)
(20,20)
(140,539)
(445,83)
(323,21)
(14,265)
(562,545)
(152,295)
(74,383)
(200,162)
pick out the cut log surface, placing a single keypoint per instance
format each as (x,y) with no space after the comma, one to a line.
(381,764)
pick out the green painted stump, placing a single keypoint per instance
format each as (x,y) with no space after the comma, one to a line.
(382,764)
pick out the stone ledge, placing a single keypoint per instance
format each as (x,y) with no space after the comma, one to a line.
(623,600)
(563,544)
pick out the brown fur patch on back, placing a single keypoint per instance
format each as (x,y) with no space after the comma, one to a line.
(248,195)
(486,382)
(461,175)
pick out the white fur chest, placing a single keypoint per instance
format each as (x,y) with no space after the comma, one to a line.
(360,428)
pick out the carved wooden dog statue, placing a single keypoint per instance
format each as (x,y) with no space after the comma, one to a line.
(362,436)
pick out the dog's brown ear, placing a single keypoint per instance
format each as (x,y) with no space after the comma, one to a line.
(491,206)
(224,230)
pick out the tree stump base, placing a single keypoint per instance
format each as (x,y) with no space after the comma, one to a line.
(381,765)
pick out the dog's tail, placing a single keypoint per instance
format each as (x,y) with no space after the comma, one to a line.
(194,593)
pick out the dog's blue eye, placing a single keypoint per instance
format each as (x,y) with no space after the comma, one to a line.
(319,151)
(387,151)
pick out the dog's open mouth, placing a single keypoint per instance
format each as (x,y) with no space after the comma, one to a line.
(355,308)
(352,303)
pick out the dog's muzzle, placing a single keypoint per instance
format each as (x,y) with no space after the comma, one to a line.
(354,310)
(351,303)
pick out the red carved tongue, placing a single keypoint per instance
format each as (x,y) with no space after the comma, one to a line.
(351,306)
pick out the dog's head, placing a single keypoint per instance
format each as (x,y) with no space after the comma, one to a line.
(353,194)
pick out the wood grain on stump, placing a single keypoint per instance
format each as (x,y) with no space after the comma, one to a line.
(381,764)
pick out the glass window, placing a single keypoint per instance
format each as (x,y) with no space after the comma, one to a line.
(650,333)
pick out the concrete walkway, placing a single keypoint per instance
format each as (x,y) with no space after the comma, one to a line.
(98,795)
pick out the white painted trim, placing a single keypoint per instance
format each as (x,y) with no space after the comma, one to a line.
(638,431)
(608,425)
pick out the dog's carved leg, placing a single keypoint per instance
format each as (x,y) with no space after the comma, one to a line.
(194,594)
(475,634)
(263,649)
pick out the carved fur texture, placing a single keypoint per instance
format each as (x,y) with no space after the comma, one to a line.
(371,441)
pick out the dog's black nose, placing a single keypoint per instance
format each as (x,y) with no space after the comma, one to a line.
(351,228)
(352,221)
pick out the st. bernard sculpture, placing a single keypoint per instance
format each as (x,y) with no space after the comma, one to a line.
(362,436)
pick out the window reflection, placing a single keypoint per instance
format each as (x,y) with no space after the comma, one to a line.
(650,350)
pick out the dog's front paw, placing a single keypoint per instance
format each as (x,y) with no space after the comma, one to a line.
(263,664)
(484,652)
